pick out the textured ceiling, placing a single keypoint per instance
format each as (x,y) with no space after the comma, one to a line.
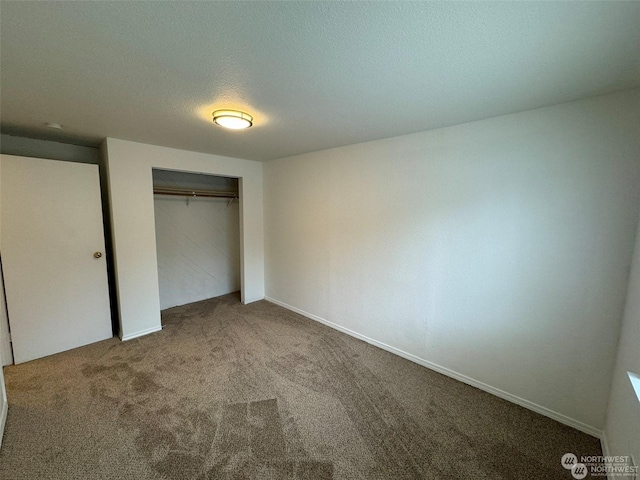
(314,74)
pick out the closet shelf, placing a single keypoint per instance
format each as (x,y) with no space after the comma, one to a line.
(187,192)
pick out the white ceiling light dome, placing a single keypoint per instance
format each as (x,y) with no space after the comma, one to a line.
(233,119)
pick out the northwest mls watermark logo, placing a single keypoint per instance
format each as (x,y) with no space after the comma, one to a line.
(570,462)
(599,466)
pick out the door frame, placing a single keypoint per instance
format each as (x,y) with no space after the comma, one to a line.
(6,352)
(6,349)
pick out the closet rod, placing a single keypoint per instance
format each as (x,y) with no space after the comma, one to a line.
(186,192)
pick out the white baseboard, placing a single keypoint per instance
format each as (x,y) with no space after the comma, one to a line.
(604,443)
(141,333)
(583,427)
(247,301)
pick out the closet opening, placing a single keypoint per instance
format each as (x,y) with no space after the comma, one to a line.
(197,222)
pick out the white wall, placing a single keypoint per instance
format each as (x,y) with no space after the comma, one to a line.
(198,246)
(129,174)
(622,431)
(496,251)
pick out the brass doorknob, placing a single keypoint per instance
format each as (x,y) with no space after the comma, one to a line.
(97,255)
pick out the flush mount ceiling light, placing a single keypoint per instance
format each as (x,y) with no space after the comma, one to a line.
(232,119)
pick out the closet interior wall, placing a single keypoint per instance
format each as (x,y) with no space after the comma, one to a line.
(197,237)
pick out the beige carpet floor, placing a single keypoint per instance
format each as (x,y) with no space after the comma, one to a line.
(227,391)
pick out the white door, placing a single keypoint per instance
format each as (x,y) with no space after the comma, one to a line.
(56,288)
